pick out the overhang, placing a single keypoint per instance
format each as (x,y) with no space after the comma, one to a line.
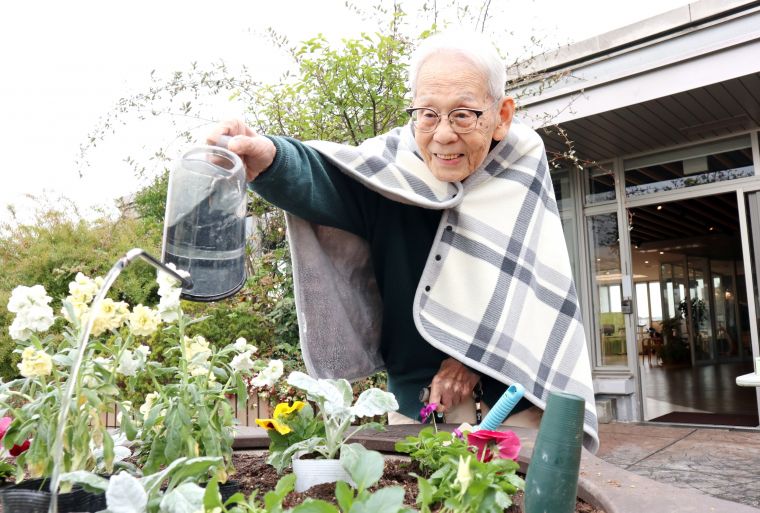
(684,82)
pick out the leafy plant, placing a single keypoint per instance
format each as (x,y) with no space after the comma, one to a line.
(457,480)
(188,414)
(126,493)
(328,431)
(365,469)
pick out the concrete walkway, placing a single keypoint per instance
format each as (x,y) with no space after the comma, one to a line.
(719,462)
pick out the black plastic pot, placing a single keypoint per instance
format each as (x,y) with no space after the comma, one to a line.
(32,496)
(228,489)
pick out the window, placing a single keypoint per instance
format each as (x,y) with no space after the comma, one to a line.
(686,167)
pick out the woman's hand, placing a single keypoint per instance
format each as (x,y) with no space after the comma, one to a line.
(452,384)
(256,151)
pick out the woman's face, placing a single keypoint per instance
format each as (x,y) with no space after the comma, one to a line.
(448,81)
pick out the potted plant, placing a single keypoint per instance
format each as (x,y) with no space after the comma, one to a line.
(188,413)
(35,400)
(312,442)
(674,350)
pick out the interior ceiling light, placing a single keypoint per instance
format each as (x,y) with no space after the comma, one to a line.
(659,207)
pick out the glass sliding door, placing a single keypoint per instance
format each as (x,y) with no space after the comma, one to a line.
(609,320)
(696,309)
(726,308)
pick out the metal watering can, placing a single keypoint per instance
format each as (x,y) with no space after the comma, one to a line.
(204,225)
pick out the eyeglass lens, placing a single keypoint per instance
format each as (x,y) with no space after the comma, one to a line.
(461,120)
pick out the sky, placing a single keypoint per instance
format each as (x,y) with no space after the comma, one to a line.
(64,65)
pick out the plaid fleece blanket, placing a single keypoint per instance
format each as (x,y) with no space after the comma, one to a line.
(501,298)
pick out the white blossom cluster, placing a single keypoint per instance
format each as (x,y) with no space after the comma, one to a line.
(33,313)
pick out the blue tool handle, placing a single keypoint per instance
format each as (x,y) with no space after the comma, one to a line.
(503,407)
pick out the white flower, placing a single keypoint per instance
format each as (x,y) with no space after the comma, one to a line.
(143,351)
(197,349)
(30,304)
(148,404)
(144,321)
(201,370)
(18,330)
(80,309)
(121,314)
(83,289)
(168,284)
(127,364)
(169,306)
(241,345)
(23,298)
(268,376)
(242,362)
(110,316)
(35,363)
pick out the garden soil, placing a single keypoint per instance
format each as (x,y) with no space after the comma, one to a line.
(253,473)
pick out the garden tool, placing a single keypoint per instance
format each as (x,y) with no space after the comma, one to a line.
(205,222)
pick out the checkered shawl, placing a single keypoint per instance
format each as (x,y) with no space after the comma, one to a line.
(500,298)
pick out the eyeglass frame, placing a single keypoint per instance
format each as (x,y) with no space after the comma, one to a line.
(478,113)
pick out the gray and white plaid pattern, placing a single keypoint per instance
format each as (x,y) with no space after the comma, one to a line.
(501,297)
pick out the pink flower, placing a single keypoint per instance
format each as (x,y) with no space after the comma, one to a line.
(427,411)
(504,444)
(4,423)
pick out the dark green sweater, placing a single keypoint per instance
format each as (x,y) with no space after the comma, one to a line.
(400,236)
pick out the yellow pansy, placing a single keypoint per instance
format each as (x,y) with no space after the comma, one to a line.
(281,410)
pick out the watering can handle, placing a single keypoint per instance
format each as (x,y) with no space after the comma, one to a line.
(223,141)
(503,407)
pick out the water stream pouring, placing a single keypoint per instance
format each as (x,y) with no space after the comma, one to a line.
(204,225)
(120,264)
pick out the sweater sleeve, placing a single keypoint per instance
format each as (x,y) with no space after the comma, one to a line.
(304,183)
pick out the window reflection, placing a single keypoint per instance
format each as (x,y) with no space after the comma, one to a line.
(678,169)
(608,315)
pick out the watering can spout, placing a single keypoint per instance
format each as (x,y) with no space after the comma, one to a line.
(135,253)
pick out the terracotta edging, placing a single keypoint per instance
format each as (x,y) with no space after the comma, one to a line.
(601,484)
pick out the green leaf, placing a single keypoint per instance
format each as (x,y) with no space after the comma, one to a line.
(125,494)
(322,391)
(365,467)
(92,481)
(425,492)
(273,500)
(193,468)
(186,498)
(344,495)
(315,506)
(385,500)
(374,402)
(127,426)
(108,454)
(109,390)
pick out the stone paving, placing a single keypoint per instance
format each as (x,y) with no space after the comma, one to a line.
(719,462)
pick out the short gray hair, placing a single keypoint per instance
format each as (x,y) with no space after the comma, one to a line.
(473,46)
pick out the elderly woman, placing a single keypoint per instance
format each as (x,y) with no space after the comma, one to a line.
(434,251)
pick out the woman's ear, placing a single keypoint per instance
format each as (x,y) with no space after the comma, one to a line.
(506,112)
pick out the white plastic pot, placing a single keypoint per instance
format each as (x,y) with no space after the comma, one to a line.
(311,472)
